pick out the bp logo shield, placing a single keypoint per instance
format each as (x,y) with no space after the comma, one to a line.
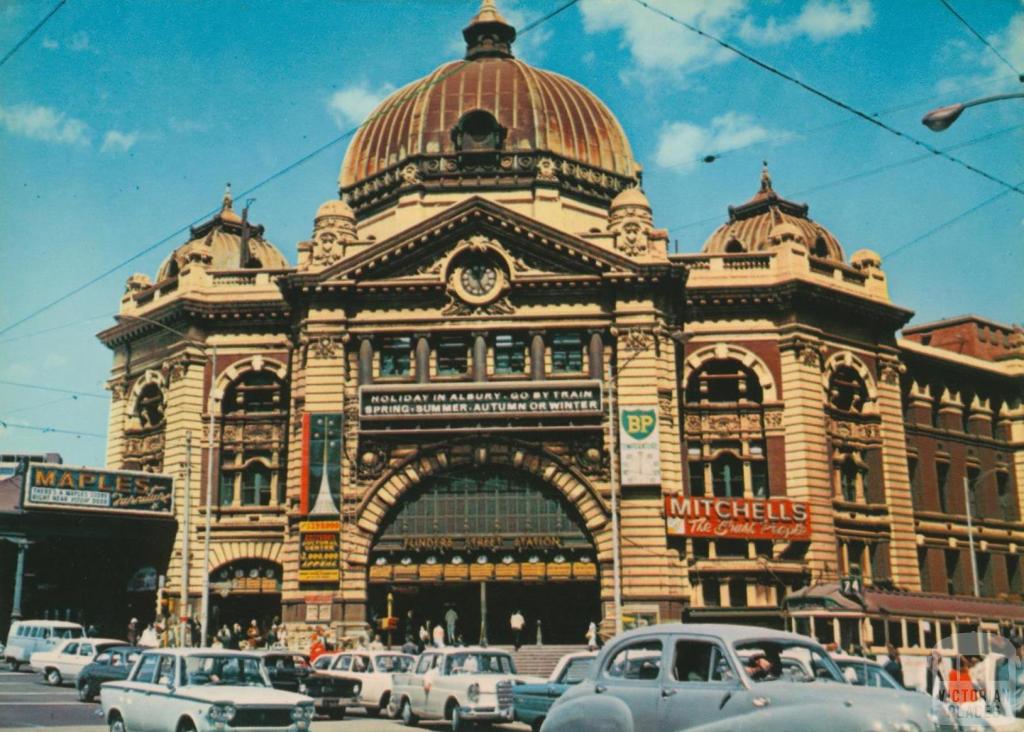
(639,423)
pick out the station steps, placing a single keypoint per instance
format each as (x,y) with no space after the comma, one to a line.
(534,660)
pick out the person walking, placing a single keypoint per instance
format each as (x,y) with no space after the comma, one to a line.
(133,632)
(516,622)
(424,635)
(934,684)
(438,636)
(451,617)
(592,636)
(894,666)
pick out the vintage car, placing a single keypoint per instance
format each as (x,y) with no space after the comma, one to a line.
(290,671)
(865,672)
(532,701)
(31,636)
(65,661)
(458,684)
(113,664)
(196,690)
(374,671)
(715,678)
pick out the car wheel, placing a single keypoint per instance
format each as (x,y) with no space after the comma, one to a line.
(186,725)
(53,677)
(85,692)
(408,718)
(117,724)
(15,665)
(458,723)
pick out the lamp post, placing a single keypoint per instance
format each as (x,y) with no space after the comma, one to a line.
(940,119)
(205,623)
(970,525)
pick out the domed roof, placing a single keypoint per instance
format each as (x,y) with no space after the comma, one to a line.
(767,220)
(631,196)
(335,207)
(217,244)
(530,109)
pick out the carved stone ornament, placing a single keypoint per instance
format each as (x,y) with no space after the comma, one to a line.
(331,233)
(325,347)
(174,369)
(456,306)
(547,170)
(119,389)
(890,370)
(843,429)
(636,339)
(372,460)
(136,282)
(665,405)
(410,175)
(807,352)
(632,228)
(773,419)
(591,458)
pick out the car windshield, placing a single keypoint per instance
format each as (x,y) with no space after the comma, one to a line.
(226,670)
(393,664)
(576,670)
(479,663)
(786,660)
(865,673)
(67,632)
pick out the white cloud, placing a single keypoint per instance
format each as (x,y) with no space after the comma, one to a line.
(353,104)
(987,68)
(185,125)
(823,20)
(80,42)
(50,44)
(681,145)
(44,123)
(117,141)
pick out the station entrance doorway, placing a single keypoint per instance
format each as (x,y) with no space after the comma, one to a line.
(484,542)
(243,591)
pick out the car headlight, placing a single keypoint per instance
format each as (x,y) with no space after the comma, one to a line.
(473,692)
(222,712)
(356,689)
(303,689)
(303,713)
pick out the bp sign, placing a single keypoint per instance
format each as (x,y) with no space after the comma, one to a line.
(639,451)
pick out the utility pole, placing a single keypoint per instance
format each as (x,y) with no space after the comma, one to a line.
(613,470)
(970,533)
(186,537)
(212,404)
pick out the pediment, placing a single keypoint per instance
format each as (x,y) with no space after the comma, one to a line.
(527,249)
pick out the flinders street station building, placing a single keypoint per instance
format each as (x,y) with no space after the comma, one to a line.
(487,385)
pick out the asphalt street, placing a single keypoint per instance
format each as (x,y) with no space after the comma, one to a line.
(27,702)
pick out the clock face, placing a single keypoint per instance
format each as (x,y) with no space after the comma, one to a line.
(478,278)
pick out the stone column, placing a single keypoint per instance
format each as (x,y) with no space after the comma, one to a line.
(422,360)
(479,358)
(365,361)
(537,353)
(19,577)
(595,356)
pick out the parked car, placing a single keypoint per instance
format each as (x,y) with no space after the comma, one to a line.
(64,662)
(461,685)
(531,702)
(865,672)
(30,636)
(113,664)
(730,677)
(291,672)
(374,670)
(200,690)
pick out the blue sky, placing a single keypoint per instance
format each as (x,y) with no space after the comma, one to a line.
(121,122)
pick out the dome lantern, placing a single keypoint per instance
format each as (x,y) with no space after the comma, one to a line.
(488,33)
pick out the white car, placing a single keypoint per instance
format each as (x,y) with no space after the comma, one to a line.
(374,670)
(65,661)
(461,685)
(196,690)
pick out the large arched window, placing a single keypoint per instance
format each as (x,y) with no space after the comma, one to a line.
(149,408)
(724,380)
(253,443)
(144,433)
(846,390)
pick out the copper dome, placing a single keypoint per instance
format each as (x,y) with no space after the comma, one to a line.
(535,110)
(766,220)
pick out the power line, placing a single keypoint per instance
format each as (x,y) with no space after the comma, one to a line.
(831,99)
(18,425)
(56,327)
(32,32)
(287,169)
(934,230)
(48,403)
(982,38)
(55,389)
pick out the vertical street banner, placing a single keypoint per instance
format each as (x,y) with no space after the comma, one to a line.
(639,450)
(321,462)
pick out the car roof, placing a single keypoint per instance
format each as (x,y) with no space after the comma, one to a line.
(47,623)
(201,652)
(844,658)
(467,649)
(727,632)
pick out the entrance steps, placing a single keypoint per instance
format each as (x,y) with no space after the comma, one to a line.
(534,660)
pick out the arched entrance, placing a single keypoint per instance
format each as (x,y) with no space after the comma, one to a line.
(245,590)
(484,541)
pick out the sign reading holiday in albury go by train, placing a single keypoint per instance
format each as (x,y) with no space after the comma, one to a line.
(88,489)
(737,518)
(319,551)
(480,401)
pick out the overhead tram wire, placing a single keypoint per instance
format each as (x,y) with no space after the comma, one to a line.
(44,331)
(55,389)
(56,430)
(980,37)
(287,169)
(35,29)
(867,173)
(945,224)
(829,98)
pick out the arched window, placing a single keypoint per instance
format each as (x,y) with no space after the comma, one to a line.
(724,380)
(846,390)
(478,131)
(149,407)
(254,392)
(144,444)
(734,247)
(727,476)
(256,485)
(820,248)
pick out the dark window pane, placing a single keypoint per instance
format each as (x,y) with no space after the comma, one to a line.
(727,477)
(696,479)
(395,355)
(452,356)
(566,352)
(509,354)
(759,478)
(227,488)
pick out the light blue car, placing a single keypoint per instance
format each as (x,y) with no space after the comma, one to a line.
(531,702)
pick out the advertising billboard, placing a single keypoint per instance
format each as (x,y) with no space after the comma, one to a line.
(89,489)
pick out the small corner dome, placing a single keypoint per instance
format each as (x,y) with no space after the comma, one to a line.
(631,196)
(866,258)
(335,207)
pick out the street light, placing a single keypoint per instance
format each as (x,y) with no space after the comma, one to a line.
(209,482)
(970,524)
(939,119)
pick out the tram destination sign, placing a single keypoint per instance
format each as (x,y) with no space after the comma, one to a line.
(520,399)
(737,518)
(88,489)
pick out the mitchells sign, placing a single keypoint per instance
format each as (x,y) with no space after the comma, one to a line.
(470,401)
(88,489)
(737,518)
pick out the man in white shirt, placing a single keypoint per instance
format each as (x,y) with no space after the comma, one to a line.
(438,636)
(516,622)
